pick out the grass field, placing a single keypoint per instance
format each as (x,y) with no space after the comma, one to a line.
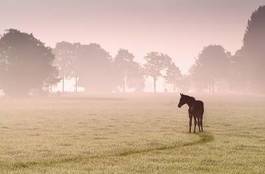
(128,134)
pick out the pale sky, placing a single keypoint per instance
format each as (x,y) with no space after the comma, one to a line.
(180,28)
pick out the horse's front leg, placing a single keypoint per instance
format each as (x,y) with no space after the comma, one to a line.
(190,116)
(195,123)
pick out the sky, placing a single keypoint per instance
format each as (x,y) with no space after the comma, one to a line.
(179,28)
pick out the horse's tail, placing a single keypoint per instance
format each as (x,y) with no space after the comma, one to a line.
(202,109)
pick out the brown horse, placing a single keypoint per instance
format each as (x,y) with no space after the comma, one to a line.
(196,110)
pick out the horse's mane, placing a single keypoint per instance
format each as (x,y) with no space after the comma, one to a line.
(190,97)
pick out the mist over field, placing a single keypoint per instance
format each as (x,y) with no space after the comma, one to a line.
(130,134)
(143,86)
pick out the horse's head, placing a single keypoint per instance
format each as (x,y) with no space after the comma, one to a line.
(182,100)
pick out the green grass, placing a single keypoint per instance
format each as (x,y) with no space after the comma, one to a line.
(129,134)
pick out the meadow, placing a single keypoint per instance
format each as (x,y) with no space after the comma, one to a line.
(130,134)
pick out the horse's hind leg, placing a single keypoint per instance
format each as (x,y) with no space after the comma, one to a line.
(201,124)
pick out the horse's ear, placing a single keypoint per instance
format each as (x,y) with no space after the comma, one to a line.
(181,94)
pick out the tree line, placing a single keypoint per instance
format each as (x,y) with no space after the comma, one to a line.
(28,66)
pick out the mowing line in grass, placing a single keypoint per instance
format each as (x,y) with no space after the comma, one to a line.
(204,138)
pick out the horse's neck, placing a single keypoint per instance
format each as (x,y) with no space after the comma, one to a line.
(190,102)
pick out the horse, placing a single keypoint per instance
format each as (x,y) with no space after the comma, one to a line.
(196,110)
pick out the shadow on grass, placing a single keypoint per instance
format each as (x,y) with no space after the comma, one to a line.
(203,139)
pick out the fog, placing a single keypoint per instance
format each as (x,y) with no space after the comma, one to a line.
(132,86)
(131,46)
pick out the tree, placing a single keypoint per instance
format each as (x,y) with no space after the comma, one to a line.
(155,63)
(65,54)
(253,42)
(123,61)
(128,72)
(25,64)
(212,65)
(173,75)
(135,77)
(184,83)
(250,58)
(95,68)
